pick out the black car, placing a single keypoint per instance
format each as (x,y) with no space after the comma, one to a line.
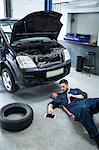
(30,52)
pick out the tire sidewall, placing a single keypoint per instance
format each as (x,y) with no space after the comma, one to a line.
(14,87)
(19,124)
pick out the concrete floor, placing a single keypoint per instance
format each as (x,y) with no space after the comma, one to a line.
(44,133)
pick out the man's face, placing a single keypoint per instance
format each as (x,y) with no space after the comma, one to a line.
(64,87)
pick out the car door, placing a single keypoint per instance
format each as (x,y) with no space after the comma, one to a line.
(2,48)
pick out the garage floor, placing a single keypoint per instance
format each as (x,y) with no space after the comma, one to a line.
(44,133)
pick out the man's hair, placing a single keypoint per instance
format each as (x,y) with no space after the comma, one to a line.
(63,81)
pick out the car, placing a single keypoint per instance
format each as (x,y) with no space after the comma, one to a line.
(30,52)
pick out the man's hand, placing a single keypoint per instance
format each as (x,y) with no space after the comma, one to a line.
(72,116)
(69,95)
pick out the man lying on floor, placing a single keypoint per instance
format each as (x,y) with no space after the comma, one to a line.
(76,105)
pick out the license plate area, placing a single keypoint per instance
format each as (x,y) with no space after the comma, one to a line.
(54,73)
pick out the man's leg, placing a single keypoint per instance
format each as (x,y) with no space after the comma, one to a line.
(86,118)
(93,104)
(83,111)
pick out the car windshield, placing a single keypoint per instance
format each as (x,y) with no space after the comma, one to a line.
(7,26)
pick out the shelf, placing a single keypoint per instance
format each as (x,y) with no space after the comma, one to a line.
(82,43)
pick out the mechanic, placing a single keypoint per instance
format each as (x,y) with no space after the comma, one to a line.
(76,105)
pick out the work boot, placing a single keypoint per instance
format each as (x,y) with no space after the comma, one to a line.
(97,141)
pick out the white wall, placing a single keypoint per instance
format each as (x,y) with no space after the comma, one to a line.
(1,9)
(66,11)
(20,8)
(87,23)
(63,29)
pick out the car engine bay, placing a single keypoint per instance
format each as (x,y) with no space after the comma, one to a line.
(42,54)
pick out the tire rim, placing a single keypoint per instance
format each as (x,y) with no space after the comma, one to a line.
(7,81)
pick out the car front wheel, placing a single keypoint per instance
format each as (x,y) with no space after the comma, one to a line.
(8,81)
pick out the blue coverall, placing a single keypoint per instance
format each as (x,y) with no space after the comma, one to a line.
(83,109)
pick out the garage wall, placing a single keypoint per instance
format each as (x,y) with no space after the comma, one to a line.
(77,49)
(85,23)
(80,50)
(20,8)
(67,10)
(64,27)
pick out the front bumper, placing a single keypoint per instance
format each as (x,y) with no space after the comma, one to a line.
(34,77)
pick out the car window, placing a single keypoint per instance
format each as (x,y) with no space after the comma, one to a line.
(7,26)
(2,41)
(8,35)
(7,30)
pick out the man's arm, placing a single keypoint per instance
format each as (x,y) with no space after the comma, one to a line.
(71,115)
(79,96)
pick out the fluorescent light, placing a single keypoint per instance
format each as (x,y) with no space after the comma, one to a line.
(77,2)
(82,2)
(63,1)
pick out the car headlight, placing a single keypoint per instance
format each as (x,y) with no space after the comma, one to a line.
(25,62)
(66,55)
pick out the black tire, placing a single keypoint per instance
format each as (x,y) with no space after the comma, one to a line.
(18,124)
(11,87)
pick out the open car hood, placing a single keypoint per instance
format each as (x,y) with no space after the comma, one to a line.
(37,24)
